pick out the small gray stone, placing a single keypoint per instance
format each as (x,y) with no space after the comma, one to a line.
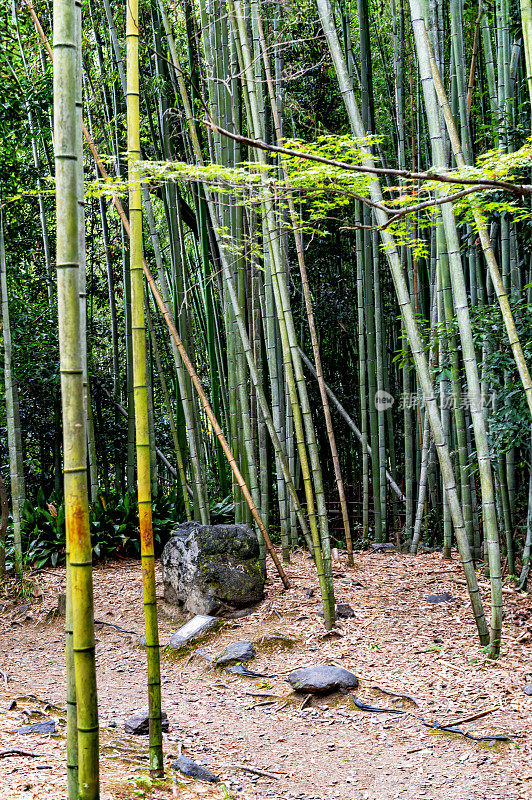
(192,629)
(343,610)
(240,669)
(234,652)
(444,597)
(48,726)
(527,688)
(139,723)
(189,767)
(322,679)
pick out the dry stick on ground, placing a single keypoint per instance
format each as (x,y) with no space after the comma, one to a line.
(175,335)
(255,771)
(16,752)
(471,717)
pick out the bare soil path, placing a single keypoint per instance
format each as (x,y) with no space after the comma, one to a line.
(326,749)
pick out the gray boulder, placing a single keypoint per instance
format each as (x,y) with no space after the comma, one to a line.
(236,651)
(527,689)
(139,723)
(322,679)
(189,767)
(206,567)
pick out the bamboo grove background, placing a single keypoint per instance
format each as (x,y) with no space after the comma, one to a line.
(362,338)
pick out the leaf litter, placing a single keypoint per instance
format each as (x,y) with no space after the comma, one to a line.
(316,748)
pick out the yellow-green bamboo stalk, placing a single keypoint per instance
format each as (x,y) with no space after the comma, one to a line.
(14,437)
(409,320)
(67,135)
(483,233)
(140,391)
(308,303)
(526,22)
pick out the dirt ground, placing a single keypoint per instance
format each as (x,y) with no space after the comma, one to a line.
(325,748)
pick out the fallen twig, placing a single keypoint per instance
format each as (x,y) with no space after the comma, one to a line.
(255,771)
(112,625)
(16,752)
(305,701)
(472,717)
(396,694)
(434,725)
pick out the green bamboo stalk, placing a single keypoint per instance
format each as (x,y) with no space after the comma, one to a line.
(409,321)
(527,550)
(14,434)
(69,255)
(170,415)
(526,23)
(466,337)
(362,373)
(308,302)
(141,401)
(485,239)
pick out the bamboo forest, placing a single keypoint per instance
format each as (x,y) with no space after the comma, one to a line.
(266,410)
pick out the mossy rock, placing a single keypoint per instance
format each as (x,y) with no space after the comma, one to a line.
(208,567)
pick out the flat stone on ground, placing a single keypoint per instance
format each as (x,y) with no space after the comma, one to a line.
(322,679)
(139,723)
(527,688)
(189,767)
(192,629)
(48,726)
(234,652)
(444,597)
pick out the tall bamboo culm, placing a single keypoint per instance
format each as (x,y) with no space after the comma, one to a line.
(138,334)
(67,138)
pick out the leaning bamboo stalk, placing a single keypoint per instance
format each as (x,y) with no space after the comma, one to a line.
(410,323)
(466,336)
(308,302)
(214,423)
(170,414)
(67,48)
(483,232)
(200,496)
